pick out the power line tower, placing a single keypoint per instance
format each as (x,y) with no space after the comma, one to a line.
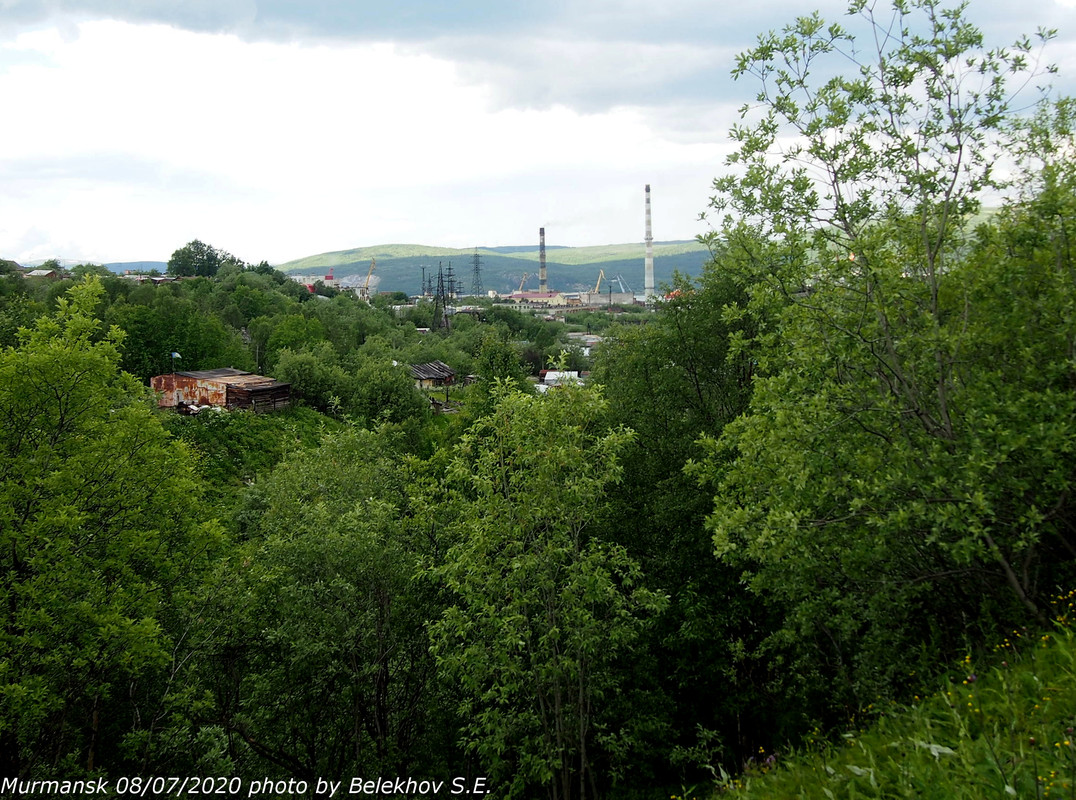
(440,300)
(476,276)
(450,282)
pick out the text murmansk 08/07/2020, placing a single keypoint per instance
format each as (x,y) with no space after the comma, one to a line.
(232,787)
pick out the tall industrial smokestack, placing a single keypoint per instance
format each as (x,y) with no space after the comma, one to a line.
(542,287)
(648,277)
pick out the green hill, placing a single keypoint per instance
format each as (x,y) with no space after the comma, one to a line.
(400,267)
(382,252)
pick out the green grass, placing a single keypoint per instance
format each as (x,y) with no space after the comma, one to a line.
(1003,728)
(382,252)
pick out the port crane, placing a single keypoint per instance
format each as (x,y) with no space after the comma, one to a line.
(364,291)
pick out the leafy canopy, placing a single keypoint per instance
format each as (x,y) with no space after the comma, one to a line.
(98,529)
(540,609)
(910,436)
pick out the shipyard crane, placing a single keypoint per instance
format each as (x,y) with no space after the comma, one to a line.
(522,281)
(598,285)
(364,292)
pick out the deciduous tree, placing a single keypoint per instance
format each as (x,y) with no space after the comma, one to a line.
(98,530)
(321,664)
(885,489)
(541,610)
(199,259)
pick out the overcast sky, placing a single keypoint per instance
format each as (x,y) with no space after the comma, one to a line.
(276,129)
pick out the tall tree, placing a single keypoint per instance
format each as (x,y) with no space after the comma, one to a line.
(321,662)
(168,323)
(199,259)
(98,528)
(541,610)
(673,380)
(884,491)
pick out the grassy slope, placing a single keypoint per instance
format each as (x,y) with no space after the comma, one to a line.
(360,255)
(602,254)
(1004,727)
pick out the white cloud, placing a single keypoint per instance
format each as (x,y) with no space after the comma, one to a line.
(327,125)
(135,138)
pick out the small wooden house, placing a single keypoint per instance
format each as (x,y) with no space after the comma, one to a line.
(433,375)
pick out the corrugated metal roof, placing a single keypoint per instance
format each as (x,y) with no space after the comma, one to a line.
(230,376)
(434,370)
(221,372)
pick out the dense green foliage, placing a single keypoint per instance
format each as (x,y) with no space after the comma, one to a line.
(541,610)
(898,483)
(100,537)
(199,259)
(998,727)
(791,493)
(319,659)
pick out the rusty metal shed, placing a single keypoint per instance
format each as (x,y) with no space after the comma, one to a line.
(225,387)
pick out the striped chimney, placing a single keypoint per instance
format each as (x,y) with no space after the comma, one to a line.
(542,285)
(649,263)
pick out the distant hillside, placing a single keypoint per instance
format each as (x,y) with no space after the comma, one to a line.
(400,267)
(522,248)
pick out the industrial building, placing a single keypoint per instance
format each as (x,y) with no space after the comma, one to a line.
(224,388)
